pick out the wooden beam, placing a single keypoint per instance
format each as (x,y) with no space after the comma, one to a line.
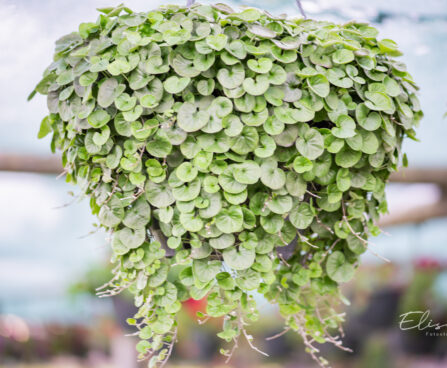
(30,163)
(415,215)
(52,165)
(434,175)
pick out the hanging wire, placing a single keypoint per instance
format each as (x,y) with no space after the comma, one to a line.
(300,7)
(189,3)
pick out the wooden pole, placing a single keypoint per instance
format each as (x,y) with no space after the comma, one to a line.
(415,215)
(52,165)
(31,163)
(434,175)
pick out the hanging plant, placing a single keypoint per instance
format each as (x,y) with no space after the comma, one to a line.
(228,153)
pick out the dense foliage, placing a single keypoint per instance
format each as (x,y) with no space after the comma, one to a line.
(228,153)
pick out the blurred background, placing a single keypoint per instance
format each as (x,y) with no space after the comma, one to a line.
(52,259)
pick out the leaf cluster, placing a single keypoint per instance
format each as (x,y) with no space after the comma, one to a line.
(208,140)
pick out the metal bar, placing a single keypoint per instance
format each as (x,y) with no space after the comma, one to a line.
(300,7)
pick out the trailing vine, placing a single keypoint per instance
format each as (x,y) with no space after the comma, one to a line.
(228,153)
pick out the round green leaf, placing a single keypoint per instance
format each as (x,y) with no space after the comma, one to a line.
(311,144)
(280,204)
(222,106)
(247,172)
(159,146)
(378,101)
(372,122)
(257,86)
(191,120)
(186,172)
(272,223)
(138,215)
(347,157)
(342,56)
(98,118)
(159,195)
(237,49)
(338,269)
(217,42)
(231,78)
(175,85)
(223,241)
(302,164)
(295,184)
(205,271)
(345,127)
(392,88)
(344,178)
(261,66)
(239,259)
(188,191)
(301,216)
(191,222)
(111,213)
(272,177)
(229,183)
(266,147)
(230,220)
(260,31)
(319,85)
(246,142)
(131,238)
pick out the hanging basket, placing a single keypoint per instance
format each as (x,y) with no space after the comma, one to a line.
(227,153)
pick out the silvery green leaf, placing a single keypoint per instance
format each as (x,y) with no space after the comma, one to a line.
(338,268)
(159,195)
(240,259)
(191,120)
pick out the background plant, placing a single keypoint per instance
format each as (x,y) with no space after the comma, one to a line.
(228,153)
